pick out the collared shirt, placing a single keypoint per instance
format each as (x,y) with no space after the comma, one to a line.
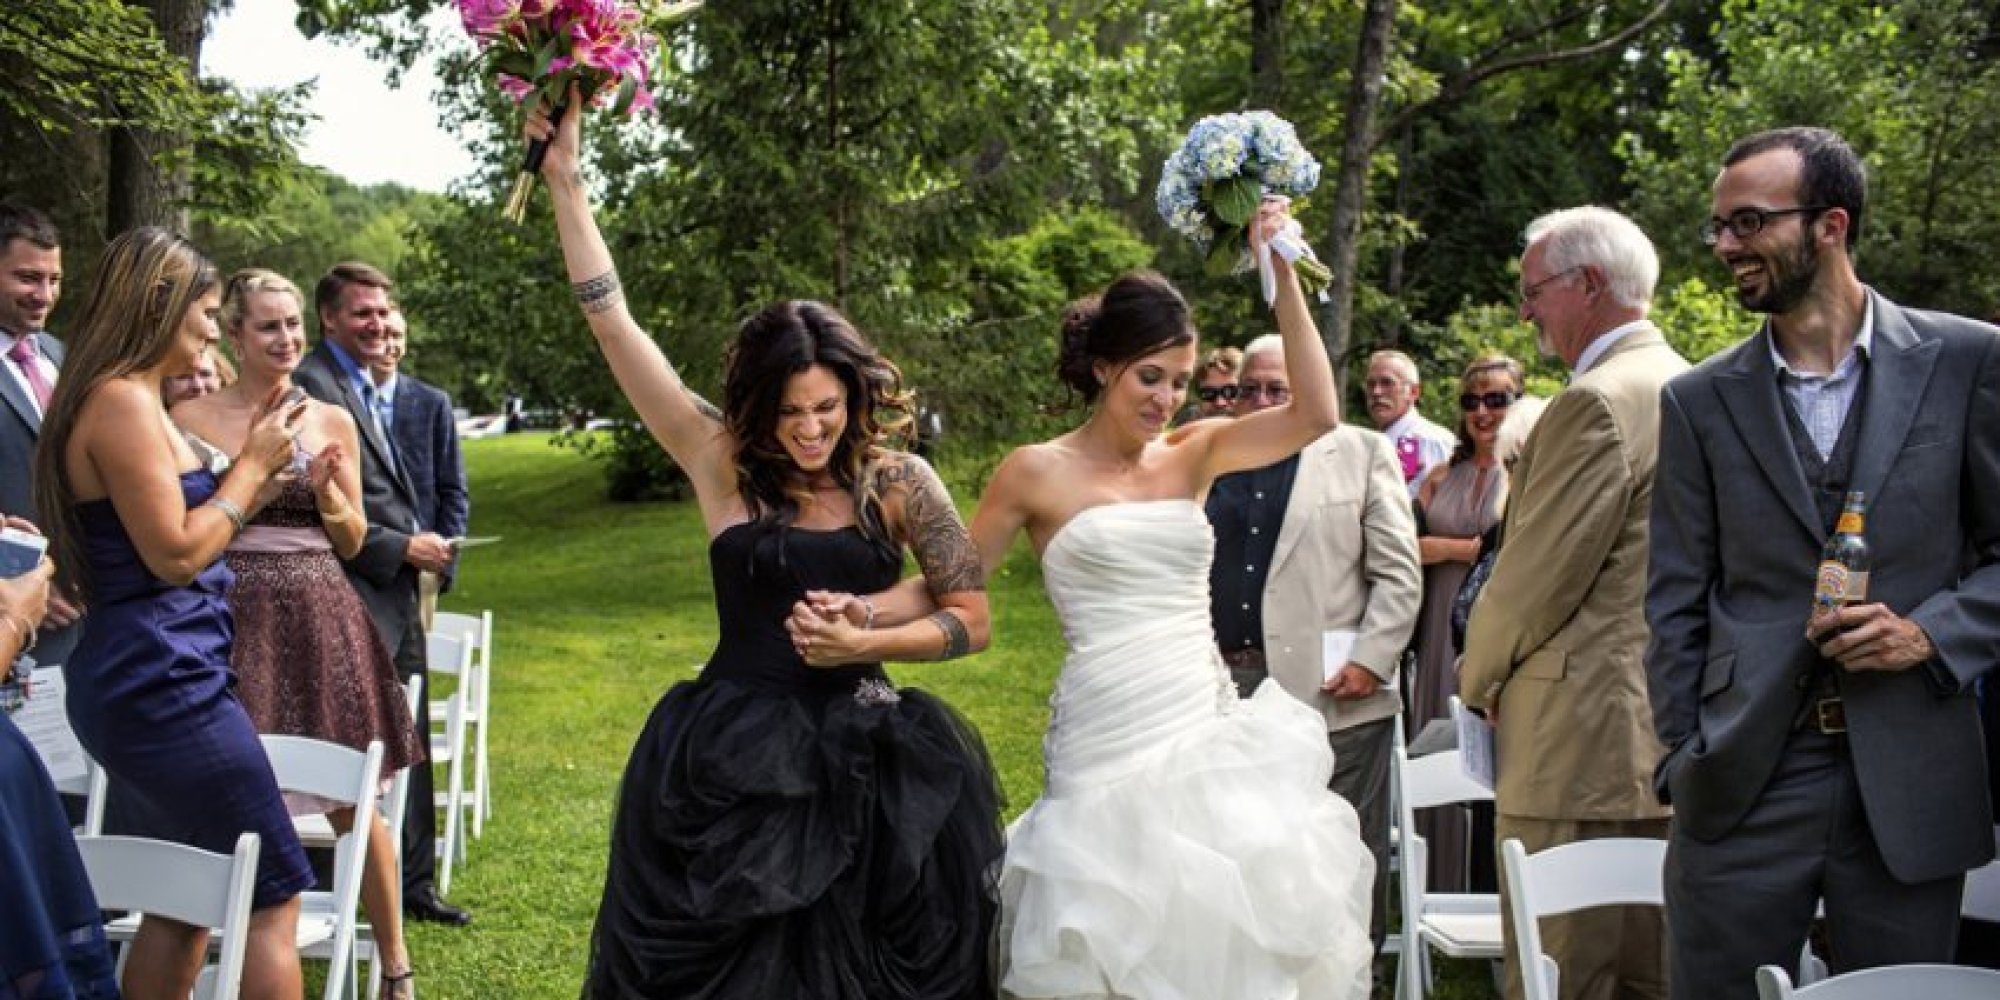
(1246,510)
(7,342)
(1822,401)
(1596,350)
(1420,446)
(385,402)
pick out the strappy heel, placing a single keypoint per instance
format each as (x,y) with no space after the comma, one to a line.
(400,986)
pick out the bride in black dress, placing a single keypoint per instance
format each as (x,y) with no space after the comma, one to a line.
(786,830)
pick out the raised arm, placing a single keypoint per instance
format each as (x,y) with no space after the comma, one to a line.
(691,431)
(1267,436)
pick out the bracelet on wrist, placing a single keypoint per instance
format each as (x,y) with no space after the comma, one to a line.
(229,510)
(868,612)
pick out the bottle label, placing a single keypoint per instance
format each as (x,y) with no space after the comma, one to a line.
(1839,585)
(1849,523)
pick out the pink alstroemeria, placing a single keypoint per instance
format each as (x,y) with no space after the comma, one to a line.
(516,89)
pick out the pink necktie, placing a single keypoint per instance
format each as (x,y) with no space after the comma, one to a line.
(23,354)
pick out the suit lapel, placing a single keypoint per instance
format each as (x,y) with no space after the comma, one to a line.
(1298,507)
(1898,371)
(364,418)
(1749,391)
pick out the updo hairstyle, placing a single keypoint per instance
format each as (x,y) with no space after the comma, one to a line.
(1139,314)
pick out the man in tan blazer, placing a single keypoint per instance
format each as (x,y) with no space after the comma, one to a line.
(1320,542)
(1555,651)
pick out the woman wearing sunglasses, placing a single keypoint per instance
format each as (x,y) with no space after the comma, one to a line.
(1215,388)
(1460,501)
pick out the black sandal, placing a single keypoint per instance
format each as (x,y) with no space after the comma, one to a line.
(399,987)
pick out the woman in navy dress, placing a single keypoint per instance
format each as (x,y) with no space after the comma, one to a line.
(54,946)
(137,526)
(786,830)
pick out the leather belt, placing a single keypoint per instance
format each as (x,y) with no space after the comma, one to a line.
(1828,716)
(1244,659)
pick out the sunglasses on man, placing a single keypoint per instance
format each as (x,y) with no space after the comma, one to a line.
(1491,400)
(1211,393)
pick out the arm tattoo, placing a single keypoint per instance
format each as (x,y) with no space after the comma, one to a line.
(702,406)
(944,548)
(957,642)
(599,294)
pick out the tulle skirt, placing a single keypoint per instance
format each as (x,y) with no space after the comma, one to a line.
(775,845)
(1215,865)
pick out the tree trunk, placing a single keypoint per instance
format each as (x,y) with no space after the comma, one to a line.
(148,183)
(1364,96)
(1392,279)
(1267,53)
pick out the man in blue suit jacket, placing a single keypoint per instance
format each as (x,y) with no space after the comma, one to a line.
(426,438)
(1836,758)
(30,284)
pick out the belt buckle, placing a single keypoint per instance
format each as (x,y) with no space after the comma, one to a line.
(1830,716)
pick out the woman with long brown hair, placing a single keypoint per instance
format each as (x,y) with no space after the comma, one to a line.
(137,523)
(790,823)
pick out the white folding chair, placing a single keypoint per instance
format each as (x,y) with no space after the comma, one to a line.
(451,657)
(329,919)
(181,883)
(1461,925)
(1982,890)
(1889,982)
(476,630)
(1612,871)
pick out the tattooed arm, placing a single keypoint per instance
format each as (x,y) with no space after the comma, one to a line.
(939,615)
(685,426)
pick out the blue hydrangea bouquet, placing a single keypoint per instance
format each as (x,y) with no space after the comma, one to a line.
(1211,187)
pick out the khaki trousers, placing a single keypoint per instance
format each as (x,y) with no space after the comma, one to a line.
(1605,953)
(428,584)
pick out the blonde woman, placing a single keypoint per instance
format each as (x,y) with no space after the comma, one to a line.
(308,660)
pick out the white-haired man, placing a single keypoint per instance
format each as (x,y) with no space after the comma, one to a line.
(1555,650)
(1393,386)
(1322,541)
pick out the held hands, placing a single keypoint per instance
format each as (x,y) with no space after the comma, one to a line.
(822,632)
(1869,637)
(26,598)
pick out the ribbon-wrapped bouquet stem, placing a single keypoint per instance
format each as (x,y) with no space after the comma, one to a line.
(535,49)
(1211,187)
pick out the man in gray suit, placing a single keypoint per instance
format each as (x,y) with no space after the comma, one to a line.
(353,304)
(30,284)
(1837,758)
(1321,542)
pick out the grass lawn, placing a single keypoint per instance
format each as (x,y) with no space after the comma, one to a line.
(599,608)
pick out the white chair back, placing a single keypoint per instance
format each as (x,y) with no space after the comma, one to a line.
(477,630)
(453,656)
(351,778)
(1613,871)
(185,884)
(1462,925)
(1889,982)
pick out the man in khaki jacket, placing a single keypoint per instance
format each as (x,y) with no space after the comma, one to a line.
(1322,542)
(1554,653)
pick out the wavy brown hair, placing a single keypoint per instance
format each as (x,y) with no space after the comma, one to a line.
(146,280)
(787,339)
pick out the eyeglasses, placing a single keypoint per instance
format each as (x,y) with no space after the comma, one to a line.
(1276,392)
(1385,382)
(1472,401)
(1532,292)
(1748,222)
(1211,393)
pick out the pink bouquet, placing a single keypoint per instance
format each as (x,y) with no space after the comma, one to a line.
(537,48)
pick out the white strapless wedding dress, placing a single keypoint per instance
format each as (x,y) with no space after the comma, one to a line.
(1186,846)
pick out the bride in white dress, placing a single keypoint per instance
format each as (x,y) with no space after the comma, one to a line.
(1186,846)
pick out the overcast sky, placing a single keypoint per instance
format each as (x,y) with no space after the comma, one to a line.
(366,132)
